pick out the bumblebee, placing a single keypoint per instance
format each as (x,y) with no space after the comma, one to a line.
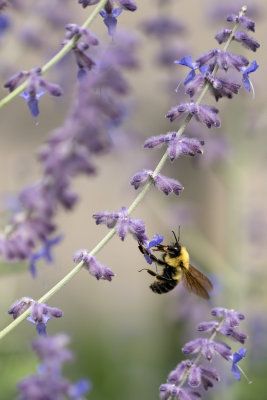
(176,268)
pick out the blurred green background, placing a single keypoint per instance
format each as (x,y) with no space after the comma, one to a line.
(126,338)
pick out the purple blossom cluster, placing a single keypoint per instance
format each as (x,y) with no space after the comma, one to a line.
(93,266)
(36,87)
(48,383)
(122,223)
(194,372)
(86,40)
(110,12)
(40,313)
(69,151)
(163,183)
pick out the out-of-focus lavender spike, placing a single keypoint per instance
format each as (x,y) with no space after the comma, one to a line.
(129,5)
(86,3)
(162,26)
(48,382)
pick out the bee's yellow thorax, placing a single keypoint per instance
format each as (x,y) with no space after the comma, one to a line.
(176,261)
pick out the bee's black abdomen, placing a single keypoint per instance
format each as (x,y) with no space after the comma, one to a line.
(163,287)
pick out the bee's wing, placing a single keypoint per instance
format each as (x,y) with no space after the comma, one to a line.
(196,282)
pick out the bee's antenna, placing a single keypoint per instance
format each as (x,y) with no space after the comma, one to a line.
(179,234)
(177,241)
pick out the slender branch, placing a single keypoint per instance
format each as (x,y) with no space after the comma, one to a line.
(131,208)
(54,60)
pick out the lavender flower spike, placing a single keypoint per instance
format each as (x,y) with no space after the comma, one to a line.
(123,224)
(192,372)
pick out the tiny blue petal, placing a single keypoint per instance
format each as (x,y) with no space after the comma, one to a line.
(79,389)
(33,107)
(189,77)
(236,358)
(155,241)
(204,68)
(187,61)
(41,329)
(235,372)
(44,252)
(116,12)
(246,73)
(103,13)
(4,23)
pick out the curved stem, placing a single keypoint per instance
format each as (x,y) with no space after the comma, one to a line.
(131,208)
(54,60)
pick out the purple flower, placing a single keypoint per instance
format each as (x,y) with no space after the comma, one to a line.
(240,36)
(32,100)
(232,317)
(207,326)
(163,183)
(152,243)
(44,252)
(188,62)
(205,114)
(224,59)
(208,348)
(246,22)
(123,223)
(36,87)
(177,145)
(40,313)
(110,19)
(246,81)
(88,37)
(222,35)
(246,40)
(95,268)
(20,306)
(168,391)
(235,359)
(192,372)
(178,374)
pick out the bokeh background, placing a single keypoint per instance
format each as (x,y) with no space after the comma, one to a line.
(126,338)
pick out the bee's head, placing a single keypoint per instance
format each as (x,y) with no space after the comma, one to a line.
(175,250)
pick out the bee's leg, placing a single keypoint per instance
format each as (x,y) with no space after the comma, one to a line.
(159,277)
(151,256)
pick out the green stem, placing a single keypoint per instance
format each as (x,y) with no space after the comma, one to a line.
(54,60)
(131,208)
